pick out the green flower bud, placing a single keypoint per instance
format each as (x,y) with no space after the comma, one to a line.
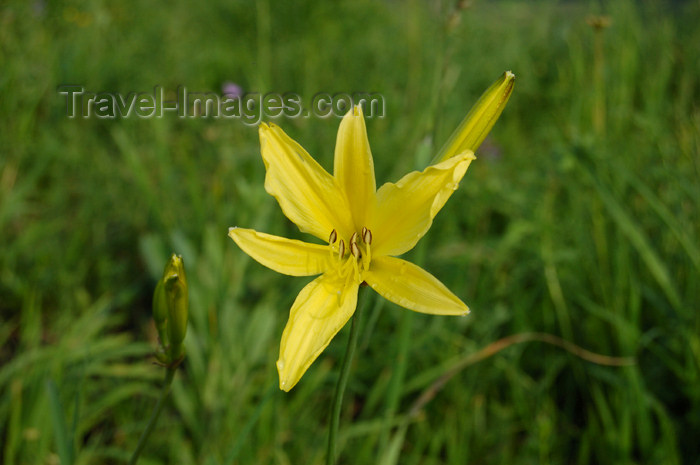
(478,123)
(160,313)
(175,284)
(170,307)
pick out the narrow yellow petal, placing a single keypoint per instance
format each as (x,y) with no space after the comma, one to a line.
(307,194)
(478,123)
(320,310)
(353,165)
(286,256)
(404,211)
(412,287)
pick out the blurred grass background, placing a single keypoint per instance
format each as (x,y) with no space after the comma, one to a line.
(579,219)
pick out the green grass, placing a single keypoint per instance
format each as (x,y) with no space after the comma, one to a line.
(579,219)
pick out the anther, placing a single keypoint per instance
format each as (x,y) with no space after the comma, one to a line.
(353,239)
(366,235)
(333,237)
(355,250)
(341,248)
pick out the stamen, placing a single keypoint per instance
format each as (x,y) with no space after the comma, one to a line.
(366,235)
(355,265)
(333,237)
(341,248)
(355,250)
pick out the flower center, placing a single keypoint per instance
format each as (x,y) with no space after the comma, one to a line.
(352,258)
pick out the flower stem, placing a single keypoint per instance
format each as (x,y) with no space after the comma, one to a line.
(169,375)
(343,381)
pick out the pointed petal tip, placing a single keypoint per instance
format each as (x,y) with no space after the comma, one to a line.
(284,383)
(468,155)
(264,128)
(355,111)
(231,230)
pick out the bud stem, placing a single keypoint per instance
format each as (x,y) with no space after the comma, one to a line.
(169,375)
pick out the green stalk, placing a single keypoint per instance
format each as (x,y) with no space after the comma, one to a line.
(169,375)
(398,378)
(343,381)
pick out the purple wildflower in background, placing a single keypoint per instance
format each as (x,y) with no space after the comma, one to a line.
(231,89)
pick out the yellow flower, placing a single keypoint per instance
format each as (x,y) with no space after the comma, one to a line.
(364,230)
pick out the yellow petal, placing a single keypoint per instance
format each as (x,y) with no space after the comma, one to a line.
(353,165)
(404,211)
(307,194)
(478,123)
(320,310)
(286,256)
(412,287)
